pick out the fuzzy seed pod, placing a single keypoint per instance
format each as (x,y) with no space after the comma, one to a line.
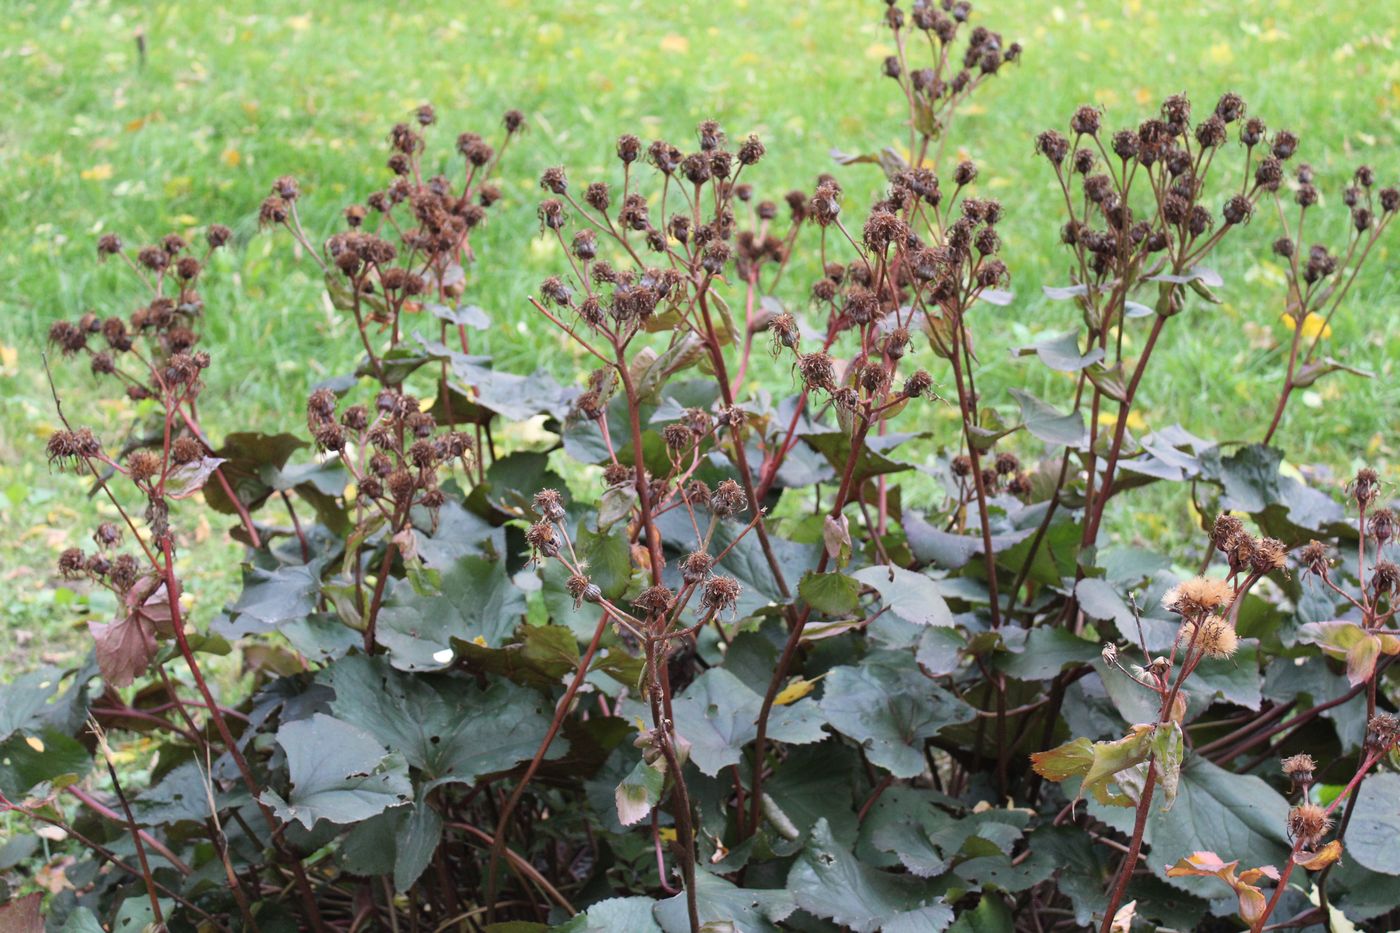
(1196,597)
(1217,638)
(720,594)
(1300,768)
(1307,824)
(655,600)
(728,499)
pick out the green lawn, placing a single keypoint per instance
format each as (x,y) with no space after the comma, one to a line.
(232,95)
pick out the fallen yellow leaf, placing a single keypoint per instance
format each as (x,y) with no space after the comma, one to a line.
(796,690)
(100,172)
(1313,325)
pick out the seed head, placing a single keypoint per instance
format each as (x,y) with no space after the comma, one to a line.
(696,566)
(1382,526)
(549,505)
(1230,107)
(720,594)
(1314,557)
(582,590)
(1267,555)
(728,499)
(1086,120)
(750,151)
(1385,577)
(1217,638)
(655,600)
(543,540)
(68,447)
(71,562)
(554,180)
(141,465)
(272,212)
(1196,597)
(817,371)
(1284,145)
(1383,731)
(1307,824)
(109,244)
(186,449)
(1299,768)
(1366,487)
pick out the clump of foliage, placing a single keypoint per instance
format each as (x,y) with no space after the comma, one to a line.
(699,657)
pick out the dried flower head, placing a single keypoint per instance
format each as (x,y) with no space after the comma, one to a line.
(728,499)
(582,590)
(1383,731)
(1366,487)
(1314,557)
(1381,524)
(1299,768)
(543,539)
(549,505)
(1217,638)
(720,594)
(1307,824)
(1198,596)
(1267,555)
(655,600)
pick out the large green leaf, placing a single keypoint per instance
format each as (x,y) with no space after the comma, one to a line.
(890,707)
(830,882)
(476,601)
(815,782)
(1047,651)
(251,462)
(273,597)
(181,796)
(1371,835)
(718,715)
(23,699)
(746,910)
(339,773)
(745,560)
(870,458)
(1049,425)
(909,595)
(415,841)
(1236,815)
(448,727)
(1061,352)
(26,761)
(834,594)
(633,914)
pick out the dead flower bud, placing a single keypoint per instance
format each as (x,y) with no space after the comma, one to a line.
(1385,577)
